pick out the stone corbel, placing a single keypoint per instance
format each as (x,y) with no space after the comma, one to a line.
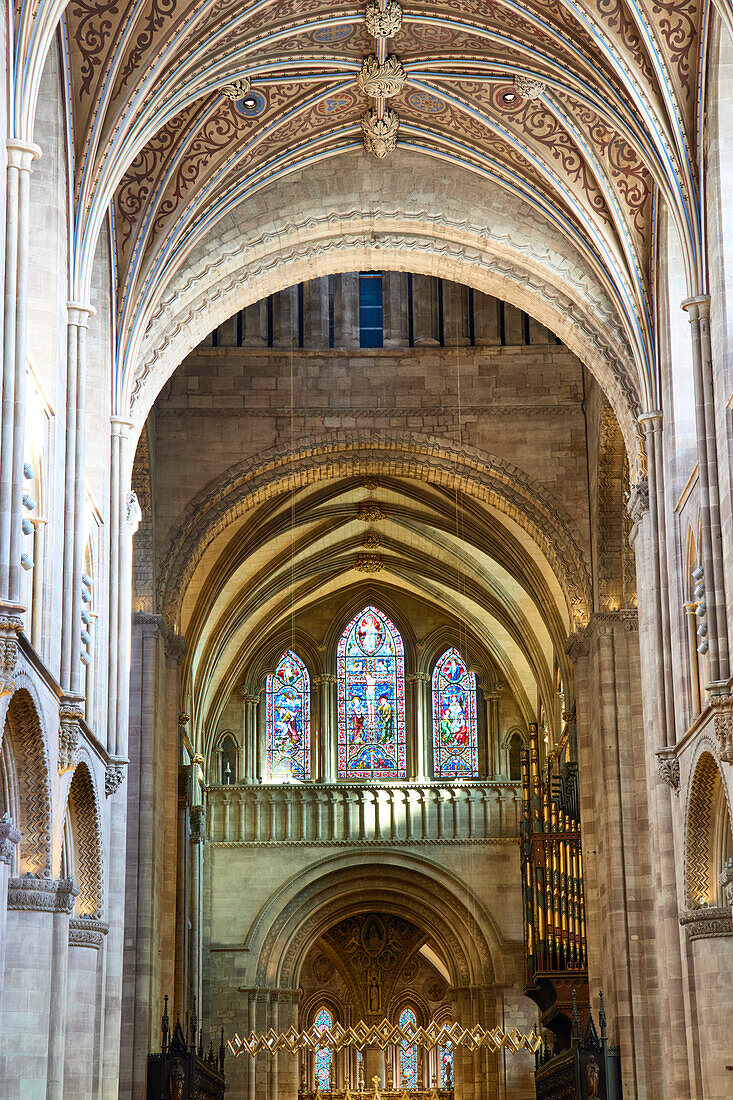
(11,624)
(113,775)
(70,719)
(638,504)
(669,771)
(577,645)
(726,883)
(722,708)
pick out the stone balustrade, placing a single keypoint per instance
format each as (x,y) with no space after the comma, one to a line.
(344,813)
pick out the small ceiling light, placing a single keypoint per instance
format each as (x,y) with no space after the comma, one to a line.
(508,97)
(249,102)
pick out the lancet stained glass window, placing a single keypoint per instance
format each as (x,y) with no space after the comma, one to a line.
(371,698)
(288,720)
(455,741)
(324,1055)
(408,1054)
(446,1066)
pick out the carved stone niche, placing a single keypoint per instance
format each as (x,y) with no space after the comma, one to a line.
(722,708)
(709,922)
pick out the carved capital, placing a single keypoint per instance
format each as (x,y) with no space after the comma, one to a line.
(87,932)
(381,79)
(709,922)
(11,625)
(42,895)
(174,645)
(380,135)
(669,771)
(113,776)
(577,645)
(70,719)
(383,24)
(722,708)
(638,504)
(197,824)
(9,840)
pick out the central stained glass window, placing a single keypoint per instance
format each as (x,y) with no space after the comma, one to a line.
(408,1054)
(371,698)
(288,721)
(455,744)
(324,1055)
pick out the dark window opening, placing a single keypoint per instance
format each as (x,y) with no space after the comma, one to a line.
(228,761)
(371,330)
(515,751)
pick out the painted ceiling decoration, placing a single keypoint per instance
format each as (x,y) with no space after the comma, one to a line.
(589,110)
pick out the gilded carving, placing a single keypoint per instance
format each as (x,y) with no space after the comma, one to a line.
(380,134)
(371,541)
(369,512)
(369,563)
(383,23)
(381,79)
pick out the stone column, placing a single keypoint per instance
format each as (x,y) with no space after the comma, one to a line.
(711,945)
(325,746)
(34,994)
(20,157)
(346,311)
(83,1009)
(9,841)
(420,769)
(73,557)
(698,310)
(494,764)
(249,723)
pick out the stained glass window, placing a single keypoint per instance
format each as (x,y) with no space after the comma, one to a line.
(324,1055)
(371,699)
(455,743)
(408,1054)
(288,721)
(446,1066)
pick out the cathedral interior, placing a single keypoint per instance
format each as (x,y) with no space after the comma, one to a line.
(366,550)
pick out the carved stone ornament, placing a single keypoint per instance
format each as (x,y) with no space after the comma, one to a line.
(722,708)
(369,563)
(369,512)
(10,628)
(236,89)
(87,932)
(70,718)
(380,134)
(638,505)
(371,541)
(42,895)
(369,483)
(706,923)
(726,883)
(381,80)
(529,87)
(197,824)
(9,840)
(133,511)
(669,771)
(113,776)
(383,24)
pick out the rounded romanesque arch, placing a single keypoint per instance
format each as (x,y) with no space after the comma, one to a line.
(26,785)
(400,885)
(82,811)
(708,814)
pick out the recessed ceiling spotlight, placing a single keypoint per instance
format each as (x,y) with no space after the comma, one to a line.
(508,97)
(249,102)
